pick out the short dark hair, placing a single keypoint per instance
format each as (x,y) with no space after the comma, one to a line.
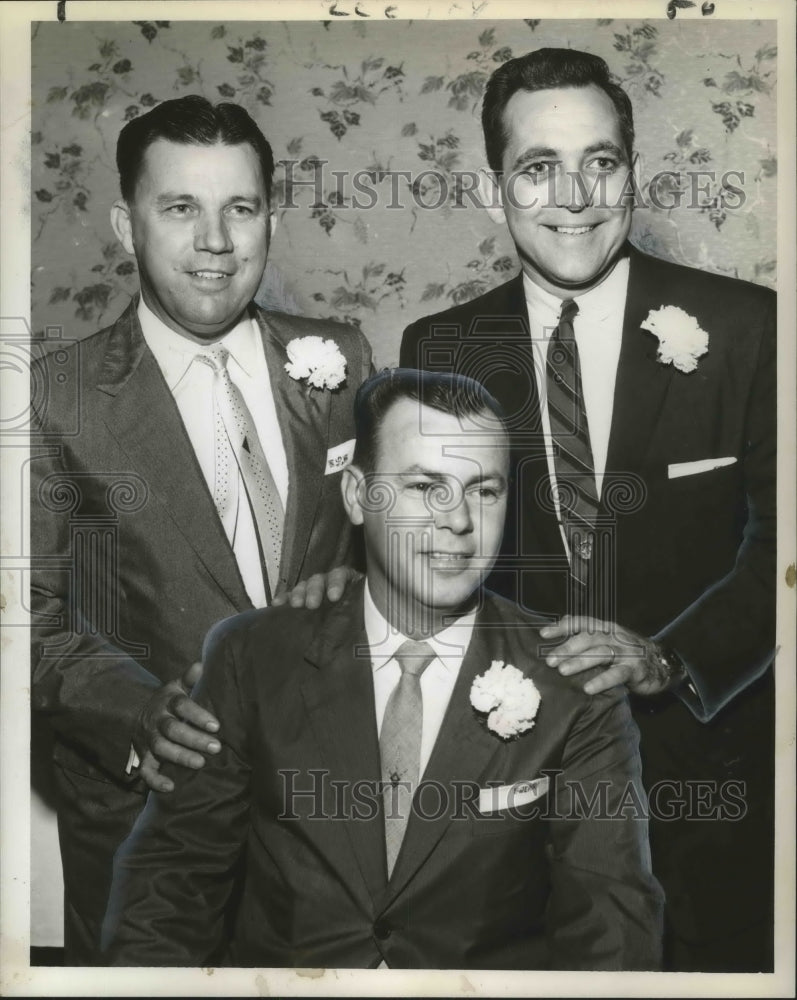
(545,69)
(189,120)
(455,394)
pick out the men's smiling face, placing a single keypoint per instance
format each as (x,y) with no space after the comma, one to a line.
(199,227)
(432,509)
(566,186)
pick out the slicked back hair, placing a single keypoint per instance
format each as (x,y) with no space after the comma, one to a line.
(457,395)
(545,69)
(190,120)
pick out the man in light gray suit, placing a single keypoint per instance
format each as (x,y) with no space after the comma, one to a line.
(189,473)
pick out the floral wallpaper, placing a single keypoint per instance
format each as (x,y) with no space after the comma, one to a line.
(378,126)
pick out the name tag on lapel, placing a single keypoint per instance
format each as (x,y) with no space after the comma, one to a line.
(512,796)
(339,457)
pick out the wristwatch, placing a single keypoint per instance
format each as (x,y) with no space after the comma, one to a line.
(672,665)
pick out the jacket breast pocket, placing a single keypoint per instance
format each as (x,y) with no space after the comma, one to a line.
(522,821)
(709,484)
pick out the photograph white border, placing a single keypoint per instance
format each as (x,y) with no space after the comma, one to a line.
(16,977)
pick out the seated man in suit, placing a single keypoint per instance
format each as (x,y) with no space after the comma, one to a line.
(641,400)
(190,471)
(525,845)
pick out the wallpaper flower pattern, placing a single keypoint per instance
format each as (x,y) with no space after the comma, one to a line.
(397,105)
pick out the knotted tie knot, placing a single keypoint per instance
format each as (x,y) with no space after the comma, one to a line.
(564,330)
(216,357)
(414,657)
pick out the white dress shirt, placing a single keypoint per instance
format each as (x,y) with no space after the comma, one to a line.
(191,384)
(598,329)
(437,680)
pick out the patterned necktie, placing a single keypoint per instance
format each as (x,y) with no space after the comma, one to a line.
(238,448)
(573,462)
(400,743)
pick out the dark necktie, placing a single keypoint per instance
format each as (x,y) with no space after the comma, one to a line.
(238,448)
(400,743)
(573,462)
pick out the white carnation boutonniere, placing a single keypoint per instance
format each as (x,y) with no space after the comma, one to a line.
(317,360)
(681,340)
(508,698)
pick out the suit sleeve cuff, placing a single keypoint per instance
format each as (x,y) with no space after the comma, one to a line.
(688,693)
(689,690)
(133,763)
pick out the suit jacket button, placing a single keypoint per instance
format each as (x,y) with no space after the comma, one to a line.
(382,930)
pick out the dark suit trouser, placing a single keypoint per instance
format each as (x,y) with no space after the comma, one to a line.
(716,866)
(94,817)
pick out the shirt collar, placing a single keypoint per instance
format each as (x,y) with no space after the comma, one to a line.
(596,304)
(448,645)
(174,353)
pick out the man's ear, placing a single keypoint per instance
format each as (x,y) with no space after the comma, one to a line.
(636,168)
(352,481)
(272,225)
(491,195)
(121,224)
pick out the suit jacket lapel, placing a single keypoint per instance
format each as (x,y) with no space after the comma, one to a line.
(303,415)
(511,374)
(462,753)
(339,696)
(642,382)
(144,419)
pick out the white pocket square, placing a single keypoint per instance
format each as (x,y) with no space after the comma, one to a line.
(679,469)
(339,457)
(511,796)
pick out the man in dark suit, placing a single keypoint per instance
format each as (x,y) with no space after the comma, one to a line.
(525,845)
(185,467)
(641,401)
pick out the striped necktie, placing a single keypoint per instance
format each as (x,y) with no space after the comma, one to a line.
(573,461)
(238,448)
(400,743)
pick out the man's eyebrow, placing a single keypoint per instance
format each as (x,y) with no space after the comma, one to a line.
(419,470)
(170,196)
(605,146)
(255,199)
(493,477)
